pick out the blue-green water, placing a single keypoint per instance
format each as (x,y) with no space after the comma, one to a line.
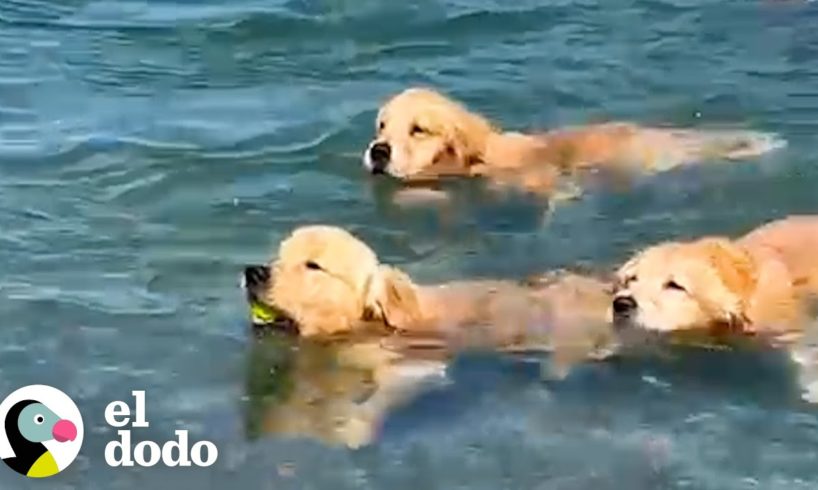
(149,149)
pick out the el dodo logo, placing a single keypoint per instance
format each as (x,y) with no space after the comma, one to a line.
(41,431)
(177,452)
(42,434)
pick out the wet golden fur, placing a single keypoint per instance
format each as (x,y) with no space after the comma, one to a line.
(331,283)
(431,136)
(761,283)
(386,335)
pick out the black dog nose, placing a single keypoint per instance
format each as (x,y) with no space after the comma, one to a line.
(379,154)
(256,276)
(624,305)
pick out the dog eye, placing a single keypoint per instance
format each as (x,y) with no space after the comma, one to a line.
(416,130)
(381,125)
(313,266)
(674,285)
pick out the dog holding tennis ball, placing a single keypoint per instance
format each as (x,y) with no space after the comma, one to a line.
(325,286)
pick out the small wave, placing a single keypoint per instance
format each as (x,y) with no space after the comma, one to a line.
(140,16)
(114,300)
(261,146)
(13,11)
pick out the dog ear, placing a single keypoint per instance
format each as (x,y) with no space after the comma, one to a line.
(777,303)
(734,265)
(392,297)
(468,137)
(739,275)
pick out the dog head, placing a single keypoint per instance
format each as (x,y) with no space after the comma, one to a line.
(326,281)
(422,134)
(706,284)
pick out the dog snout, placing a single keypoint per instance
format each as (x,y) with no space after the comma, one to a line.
(623,306)
(255,278)
(379,155)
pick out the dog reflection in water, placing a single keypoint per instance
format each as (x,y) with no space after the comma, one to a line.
(364,338)
(338,393)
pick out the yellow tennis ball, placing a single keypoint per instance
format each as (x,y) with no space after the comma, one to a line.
(261,313)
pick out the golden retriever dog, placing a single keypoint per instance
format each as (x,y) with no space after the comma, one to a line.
(762,284)
(421,135)
(329,288)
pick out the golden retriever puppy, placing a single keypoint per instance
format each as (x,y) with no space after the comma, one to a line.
(325,282)
(761,284)
(757,283)
(328,288)
(421,134)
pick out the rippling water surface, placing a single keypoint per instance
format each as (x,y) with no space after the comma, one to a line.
(149,149)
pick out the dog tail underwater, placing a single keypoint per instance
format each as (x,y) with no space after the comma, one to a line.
(725,144)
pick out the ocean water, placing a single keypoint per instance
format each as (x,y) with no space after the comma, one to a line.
(151,148)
